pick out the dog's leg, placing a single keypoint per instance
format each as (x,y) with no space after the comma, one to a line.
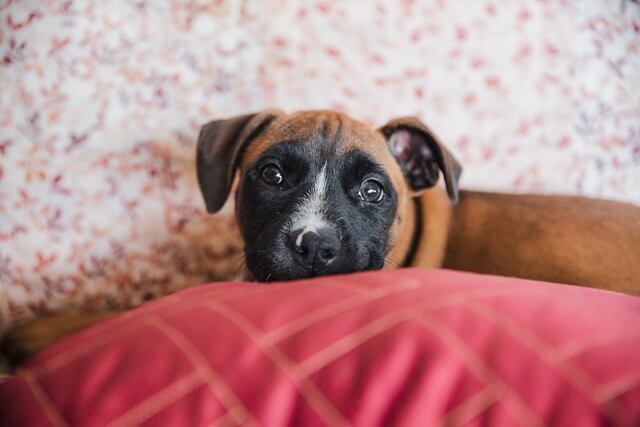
(25,340)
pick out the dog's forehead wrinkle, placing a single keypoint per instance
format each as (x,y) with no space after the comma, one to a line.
(325,129)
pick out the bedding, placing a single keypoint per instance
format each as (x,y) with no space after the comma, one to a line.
(403,347)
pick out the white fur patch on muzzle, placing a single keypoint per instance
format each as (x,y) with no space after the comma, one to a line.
(309,216)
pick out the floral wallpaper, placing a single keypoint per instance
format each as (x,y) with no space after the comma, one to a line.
(101,102)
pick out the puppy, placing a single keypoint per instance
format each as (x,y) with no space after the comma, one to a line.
(320,193)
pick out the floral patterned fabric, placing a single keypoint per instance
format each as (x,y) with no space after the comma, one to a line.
(101,103)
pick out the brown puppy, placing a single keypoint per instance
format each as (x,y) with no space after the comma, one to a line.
(320,193)
(572,240)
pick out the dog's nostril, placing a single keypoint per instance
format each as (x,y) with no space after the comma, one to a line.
(327,254)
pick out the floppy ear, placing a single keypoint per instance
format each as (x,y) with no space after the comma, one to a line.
(220,147)
(420,155)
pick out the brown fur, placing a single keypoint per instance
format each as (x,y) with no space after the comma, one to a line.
(27,339)
(572,240)
(563,239)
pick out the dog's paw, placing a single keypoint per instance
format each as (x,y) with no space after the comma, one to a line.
(5,367)
(24,341)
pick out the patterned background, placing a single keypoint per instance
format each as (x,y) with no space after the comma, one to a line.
(101,103)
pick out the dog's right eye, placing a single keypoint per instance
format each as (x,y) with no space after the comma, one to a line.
(272,175)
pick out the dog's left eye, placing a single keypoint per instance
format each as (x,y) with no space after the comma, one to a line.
(272,175)
(371,191)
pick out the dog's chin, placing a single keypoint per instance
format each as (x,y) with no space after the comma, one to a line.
(266,275)
(278,271)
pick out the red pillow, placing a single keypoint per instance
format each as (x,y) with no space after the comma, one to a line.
(411,347)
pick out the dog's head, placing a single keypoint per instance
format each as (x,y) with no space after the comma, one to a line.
(318,192)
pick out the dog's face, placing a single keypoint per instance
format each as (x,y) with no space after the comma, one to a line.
(319,193)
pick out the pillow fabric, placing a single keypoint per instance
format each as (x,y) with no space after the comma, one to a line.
(403,347)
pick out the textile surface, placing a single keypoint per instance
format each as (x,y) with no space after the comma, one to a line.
(406,347)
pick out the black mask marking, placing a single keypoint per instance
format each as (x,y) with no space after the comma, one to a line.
(352,234)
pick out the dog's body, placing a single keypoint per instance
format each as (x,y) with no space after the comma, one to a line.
(320,193)
(574,240)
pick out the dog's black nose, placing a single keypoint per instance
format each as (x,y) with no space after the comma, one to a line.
(314,250)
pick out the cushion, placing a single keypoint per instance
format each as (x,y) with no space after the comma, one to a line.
(404,347)
(101,102)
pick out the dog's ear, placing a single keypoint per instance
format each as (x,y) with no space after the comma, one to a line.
(420,155)
(221,144)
